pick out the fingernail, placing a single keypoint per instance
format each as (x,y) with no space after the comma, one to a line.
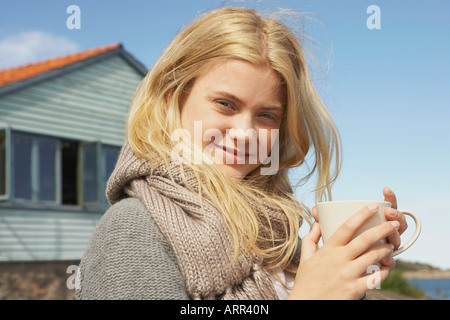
(392,212)
(373,207)
(396,224)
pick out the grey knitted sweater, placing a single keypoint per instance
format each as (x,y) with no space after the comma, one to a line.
(129,258)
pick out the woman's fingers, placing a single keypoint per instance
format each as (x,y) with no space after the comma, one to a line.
(310,241)
(389,196)
(374,278)
(345,233)
(372,257)
(315,215)
(388,262)
(395,215)
(371,236)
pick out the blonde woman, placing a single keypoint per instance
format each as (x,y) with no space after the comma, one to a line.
(202,207)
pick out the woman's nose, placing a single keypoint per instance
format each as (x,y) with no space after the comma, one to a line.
(242,130)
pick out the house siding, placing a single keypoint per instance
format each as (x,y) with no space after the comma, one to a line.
(44,235)
(88,104)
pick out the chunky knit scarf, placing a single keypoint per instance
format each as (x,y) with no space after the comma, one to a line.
(200,240)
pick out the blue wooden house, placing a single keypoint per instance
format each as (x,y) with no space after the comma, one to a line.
(62,123)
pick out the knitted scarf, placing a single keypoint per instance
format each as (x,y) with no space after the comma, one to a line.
(200,240)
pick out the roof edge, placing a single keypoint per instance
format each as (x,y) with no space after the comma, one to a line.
(48,75)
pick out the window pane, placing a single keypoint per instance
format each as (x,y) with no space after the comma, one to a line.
(69,155)
(110,156)
(90,183)
(2,162)
(22,166)
(47,165)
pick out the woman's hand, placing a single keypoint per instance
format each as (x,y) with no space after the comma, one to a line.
(335,271)
(392,214)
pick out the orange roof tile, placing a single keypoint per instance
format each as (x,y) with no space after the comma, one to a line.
(8,76)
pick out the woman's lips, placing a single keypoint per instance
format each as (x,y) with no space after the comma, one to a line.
(237,154)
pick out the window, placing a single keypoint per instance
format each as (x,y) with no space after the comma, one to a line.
(42,169)
(22,166)
(69,169)
(90,173)
(97,163)
(3,178)
(47,169)
(110,156)
(34,167)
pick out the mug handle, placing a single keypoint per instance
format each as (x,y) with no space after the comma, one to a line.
(414,236)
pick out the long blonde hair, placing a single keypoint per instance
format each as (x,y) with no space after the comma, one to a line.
(240,33)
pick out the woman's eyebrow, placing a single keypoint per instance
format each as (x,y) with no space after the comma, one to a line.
(275,108)
(240,101)
(229,96)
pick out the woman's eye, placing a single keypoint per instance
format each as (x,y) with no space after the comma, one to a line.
(225,104)
(269,116)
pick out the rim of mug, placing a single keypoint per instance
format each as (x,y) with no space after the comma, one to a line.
(354,201)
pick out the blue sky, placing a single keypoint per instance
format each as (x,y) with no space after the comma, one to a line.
(388,89)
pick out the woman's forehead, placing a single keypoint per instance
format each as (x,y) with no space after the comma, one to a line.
(243,79)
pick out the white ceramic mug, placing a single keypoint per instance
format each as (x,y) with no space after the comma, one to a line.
(333,214)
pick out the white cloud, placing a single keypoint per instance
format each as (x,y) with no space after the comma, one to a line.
(33,46)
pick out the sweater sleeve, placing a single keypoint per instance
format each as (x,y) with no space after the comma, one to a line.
(128,258)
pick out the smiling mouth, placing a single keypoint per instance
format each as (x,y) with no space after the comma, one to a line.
(233,151)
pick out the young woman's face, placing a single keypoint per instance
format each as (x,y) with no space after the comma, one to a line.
(228,96)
